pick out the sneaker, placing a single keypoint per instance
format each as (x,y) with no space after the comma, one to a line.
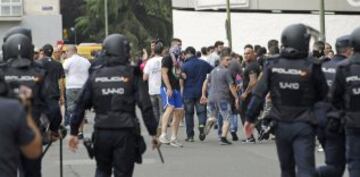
(202,134)
(249,141)
(319,148)
(163,139)
(175,143)
(234,136)
(182,123)
(224,141)
(209,124)
(190,139)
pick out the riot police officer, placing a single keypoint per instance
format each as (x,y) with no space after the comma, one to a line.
(20,71)
(113,90)
(295,83)
(346,98)
(331,138)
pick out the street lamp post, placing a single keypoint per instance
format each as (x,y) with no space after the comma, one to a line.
(322,20)
(106,18)
(228,23)
(74,31)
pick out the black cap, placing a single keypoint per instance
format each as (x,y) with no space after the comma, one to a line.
(343,41)
(48,49)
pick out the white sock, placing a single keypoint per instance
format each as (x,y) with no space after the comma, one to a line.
(173,138)
(163,135)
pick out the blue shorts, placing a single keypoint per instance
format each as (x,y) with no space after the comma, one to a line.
(175,100)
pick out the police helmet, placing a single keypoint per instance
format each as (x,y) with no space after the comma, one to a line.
(117,46)
(296,37)
(18,30)
(355,39)
(18,45)
(342,42)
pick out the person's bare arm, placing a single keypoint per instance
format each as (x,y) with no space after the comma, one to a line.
(166,80)
(203,99)
(252,83)
(233,90)
(145,77)
(62,90)
(181,82)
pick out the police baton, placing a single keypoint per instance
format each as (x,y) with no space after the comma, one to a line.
(46,149)
(160,154)
(63,132)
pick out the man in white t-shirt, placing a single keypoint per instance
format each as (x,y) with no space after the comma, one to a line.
(76,73)
(152,74)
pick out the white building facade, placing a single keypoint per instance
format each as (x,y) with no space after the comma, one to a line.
(257,21)
(41,16)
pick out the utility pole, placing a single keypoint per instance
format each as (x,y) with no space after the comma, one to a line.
(106,18)
(322,20)
(228,23)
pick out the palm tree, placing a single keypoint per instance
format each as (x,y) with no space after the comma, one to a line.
(139,20)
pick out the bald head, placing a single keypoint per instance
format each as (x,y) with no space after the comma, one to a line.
(71,50)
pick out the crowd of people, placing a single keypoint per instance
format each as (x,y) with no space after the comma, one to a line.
(182,81)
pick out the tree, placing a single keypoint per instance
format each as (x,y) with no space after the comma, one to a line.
(141,21)
(70,11)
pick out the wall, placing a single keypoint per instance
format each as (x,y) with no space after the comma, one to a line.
(205,28)
(303,5)
(41,7)
(45,29)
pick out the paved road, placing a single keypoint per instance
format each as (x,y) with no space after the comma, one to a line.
(198,159)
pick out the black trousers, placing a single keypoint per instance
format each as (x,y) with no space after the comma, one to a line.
(114,150)
(295,143)
(53,113)
(30,167)
(333,144)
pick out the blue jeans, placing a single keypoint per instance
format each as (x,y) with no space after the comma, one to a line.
(353,151)
(190,104)
(71,96)
(234,123)
(295,143)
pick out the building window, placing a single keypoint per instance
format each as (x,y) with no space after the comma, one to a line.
(11,8)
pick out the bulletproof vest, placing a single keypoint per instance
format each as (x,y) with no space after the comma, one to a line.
(31,77)
(352,93)
(329,69)
(291,89)
(113,95)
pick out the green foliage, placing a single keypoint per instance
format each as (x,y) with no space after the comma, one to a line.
(140,20)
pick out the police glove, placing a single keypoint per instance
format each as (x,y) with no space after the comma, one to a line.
(155,143)
(334,124)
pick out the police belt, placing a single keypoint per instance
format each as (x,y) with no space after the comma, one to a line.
(116,121)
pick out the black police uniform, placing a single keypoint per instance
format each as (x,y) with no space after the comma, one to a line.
(19,71)
(295,83)
(113,91)
(346,97)
(333,141)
